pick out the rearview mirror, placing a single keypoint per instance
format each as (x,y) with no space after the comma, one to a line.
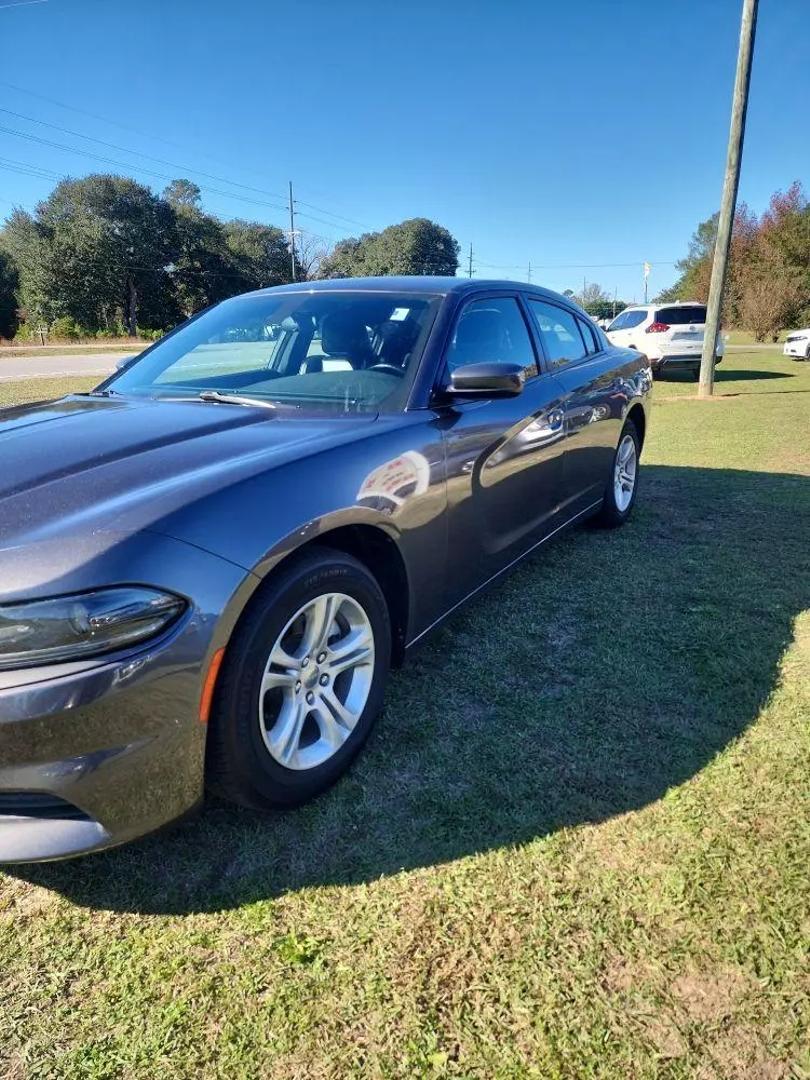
(488,379)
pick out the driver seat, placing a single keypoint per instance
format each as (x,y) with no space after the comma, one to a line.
(343,337)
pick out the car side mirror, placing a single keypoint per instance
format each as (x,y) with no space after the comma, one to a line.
(487,379)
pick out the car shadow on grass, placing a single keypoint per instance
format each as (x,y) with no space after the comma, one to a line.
(605,670)
(726,374)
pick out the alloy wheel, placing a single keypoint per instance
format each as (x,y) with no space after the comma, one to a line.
(316,681)
(624,473)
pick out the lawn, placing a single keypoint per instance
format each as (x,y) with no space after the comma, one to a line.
(576,846)
(113,345)
(745,337)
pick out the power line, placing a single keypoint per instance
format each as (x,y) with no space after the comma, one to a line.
(104,120)
(574,266)
(331,213)
(27,170)
(132,168)
(158,160)
(139,153)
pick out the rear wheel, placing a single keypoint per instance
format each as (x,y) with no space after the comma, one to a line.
(302,682)
(621,489)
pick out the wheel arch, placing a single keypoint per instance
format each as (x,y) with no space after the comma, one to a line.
(380,554)
(638,417)
(370,544)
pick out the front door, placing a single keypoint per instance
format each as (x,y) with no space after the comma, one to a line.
(504,455)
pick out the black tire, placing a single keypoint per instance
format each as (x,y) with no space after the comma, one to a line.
(609,515)
(239,767)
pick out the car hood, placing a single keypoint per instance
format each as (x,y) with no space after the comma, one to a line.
(86,464)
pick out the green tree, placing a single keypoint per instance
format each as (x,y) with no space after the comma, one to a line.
(768,283)
(202,272)
(259,256)
(8,295)
(416,246)
(92,249)
(27,244)
(182,194)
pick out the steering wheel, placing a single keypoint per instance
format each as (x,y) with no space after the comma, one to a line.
(389,369)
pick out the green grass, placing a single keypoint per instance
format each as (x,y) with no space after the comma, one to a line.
(577,844)
(43,389)
(745,337)
(17,351)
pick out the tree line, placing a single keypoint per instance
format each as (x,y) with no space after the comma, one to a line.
(768,284)
(104,255)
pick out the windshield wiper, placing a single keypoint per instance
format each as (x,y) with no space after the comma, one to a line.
(234,399)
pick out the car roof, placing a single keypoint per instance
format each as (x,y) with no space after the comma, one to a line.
(662,303)
(413,284)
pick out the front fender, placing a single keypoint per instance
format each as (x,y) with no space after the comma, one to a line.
(393,481)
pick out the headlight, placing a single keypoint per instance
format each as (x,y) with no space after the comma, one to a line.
(85,624)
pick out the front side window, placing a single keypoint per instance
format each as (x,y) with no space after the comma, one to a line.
(558,329)
(323,351)
(492,331)
(627,320)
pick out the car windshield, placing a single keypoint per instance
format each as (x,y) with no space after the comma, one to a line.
(324,351)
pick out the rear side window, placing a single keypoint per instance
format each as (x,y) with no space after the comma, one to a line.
(677,316)
(592,343)
(560,333)
(627,320)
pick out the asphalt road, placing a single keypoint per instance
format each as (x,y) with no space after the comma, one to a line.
(14,369)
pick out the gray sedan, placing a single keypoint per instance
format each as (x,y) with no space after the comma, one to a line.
(211,561)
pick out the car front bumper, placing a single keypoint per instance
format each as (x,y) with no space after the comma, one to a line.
(96,758)
(96,753)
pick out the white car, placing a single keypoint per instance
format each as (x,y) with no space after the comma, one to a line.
(797,344)
(669,335)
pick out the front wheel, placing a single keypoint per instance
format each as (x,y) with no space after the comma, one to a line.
(622,487)
(302,682)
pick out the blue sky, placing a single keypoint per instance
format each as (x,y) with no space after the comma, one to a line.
(572,135)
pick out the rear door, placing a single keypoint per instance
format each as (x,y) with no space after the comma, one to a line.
(504,456)
(594,398)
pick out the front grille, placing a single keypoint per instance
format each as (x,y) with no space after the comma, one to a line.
(37,805)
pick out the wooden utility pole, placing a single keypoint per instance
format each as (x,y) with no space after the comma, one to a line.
(529,275)
(470,269)
(292,233)
(730,184)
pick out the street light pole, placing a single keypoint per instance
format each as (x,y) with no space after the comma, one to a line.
(730,185)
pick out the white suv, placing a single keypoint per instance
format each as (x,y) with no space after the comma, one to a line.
(797,344)
(669,335)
